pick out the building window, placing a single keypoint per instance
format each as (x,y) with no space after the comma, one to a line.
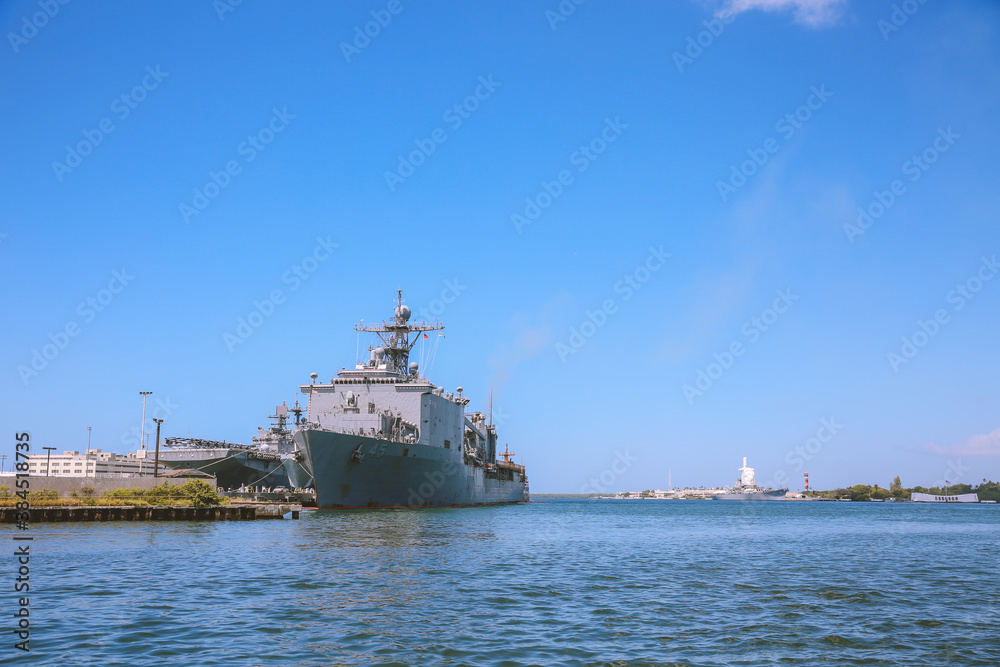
(447,444)
(371,407)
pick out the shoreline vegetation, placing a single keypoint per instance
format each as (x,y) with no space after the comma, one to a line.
(196,493)
(986,490)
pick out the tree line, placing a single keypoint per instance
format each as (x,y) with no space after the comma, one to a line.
(986,490)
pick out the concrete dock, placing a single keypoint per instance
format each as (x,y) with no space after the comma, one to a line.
(234,512)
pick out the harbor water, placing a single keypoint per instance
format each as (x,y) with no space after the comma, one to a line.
(560,582)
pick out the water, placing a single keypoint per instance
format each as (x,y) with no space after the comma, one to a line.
(553,583)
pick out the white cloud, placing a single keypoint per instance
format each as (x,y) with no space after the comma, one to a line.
(987,444)
(813,13)
(533,333)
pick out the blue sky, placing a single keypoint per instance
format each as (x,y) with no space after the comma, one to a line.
(270,148)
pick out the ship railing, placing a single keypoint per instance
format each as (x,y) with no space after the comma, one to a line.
(119,475)
(197,443)
(382,435)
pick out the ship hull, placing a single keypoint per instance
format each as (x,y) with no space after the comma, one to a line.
(765,495)
(232,468)
(359,471)
(298,476)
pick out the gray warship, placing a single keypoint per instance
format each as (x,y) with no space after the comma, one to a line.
(233,465)
(382,435)
(270,462)
(746,488)
(278,439)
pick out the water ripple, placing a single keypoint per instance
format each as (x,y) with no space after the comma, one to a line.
(555,583)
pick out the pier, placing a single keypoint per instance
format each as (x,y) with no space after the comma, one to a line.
(233,512)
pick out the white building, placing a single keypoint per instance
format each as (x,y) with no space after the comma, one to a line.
(91,463)
(929,498)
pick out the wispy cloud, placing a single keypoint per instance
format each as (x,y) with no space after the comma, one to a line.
(813,13)
(533,333)
(987,444)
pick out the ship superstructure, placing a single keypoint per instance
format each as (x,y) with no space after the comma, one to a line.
(382,435)
(746,488)
(278,439)
(233,465)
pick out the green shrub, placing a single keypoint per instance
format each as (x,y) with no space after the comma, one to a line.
(200,493)
(42,495)
(881,494)
(988,491)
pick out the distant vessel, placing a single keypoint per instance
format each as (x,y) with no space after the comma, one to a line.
(746,488)
(233,465)
(931,498)
(270,462)
(380,435)
(278,439)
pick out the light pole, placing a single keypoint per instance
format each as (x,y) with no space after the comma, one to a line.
(156,461)
(86,456)
(142,429)
(3,458)
(48,457)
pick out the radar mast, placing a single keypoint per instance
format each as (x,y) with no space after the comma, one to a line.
(395,335)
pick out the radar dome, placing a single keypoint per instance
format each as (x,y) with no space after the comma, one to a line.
(413,367)
(379,352)
(404,312)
